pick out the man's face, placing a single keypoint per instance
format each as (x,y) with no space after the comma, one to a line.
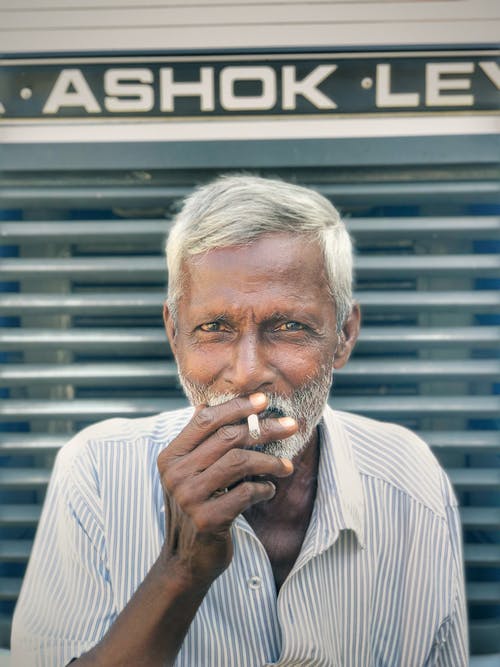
(259,318)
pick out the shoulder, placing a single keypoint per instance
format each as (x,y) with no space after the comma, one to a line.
(395,455)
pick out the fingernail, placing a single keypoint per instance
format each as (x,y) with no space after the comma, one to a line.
(287,422)
(273,487)
(258,400)
(287,464)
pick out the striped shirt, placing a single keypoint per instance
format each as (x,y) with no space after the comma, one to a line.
(378,581)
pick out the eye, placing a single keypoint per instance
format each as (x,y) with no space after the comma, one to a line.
(211,327)
(290,326)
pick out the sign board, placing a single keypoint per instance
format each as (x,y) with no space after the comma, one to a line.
(248,86)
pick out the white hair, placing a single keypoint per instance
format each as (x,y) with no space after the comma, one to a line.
(238,209)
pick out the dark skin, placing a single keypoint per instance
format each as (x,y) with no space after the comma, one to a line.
(281,523)
(252,320)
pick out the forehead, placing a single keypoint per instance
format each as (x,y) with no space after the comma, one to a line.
(274,268)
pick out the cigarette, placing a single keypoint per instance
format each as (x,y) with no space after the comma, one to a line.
(253,426)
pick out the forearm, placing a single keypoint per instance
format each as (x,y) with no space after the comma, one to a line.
(151,628)
(198,546)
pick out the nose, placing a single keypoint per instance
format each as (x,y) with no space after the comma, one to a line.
(250,368)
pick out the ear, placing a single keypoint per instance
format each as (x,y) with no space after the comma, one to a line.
(348,337)
(170,328)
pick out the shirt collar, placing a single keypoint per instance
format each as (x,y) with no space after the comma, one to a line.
(339,503)
(339,499)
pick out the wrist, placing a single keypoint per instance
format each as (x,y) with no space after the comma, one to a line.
(181,578)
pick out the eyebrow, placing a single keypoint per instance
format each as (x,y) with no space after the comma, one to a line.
(275,316)
(211,316)
(283,315)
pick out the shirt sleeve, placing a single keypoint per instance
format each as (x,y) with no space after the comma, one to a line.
(66,602)
(451,646)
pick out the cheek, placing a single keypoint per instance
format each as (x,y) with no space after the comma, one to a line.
(298,365)
(292,365)
(200,365)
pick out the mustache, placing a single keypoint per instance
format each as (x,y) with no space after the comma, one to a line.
(272,412)
(278,406)
(305,404)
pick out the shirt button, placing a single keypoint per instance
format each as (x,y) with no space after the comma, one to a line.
(254,582)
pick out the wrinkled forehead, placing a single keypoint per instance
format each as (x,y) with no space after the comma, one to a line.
(282,265)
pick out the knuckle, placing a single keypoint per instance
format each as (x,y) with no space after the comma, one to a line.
(183,498)
(162,460)
(204,418)
(246,492)
(160,463)
(229,433)
(241,403)
(237,458)
(171,478)
(202,522)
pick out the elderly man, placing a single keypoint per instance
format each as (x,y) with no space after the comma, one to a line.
(259,527)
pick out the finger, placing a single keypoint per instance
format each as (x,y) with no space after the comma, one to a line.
(242,496)
(177,471)
(230,436)
(218,514)
(234,466)
(207,419)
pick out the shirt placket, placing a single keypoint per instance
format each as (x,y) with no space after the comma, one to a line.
(257,580)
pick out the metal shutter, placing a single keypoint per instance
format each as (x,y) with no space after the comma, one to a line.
(81,335)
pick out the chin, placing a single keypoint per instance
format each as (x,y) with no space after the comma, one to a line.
(286,449)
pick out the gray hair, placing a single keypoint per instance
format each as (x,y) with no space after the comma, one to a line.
(238,209)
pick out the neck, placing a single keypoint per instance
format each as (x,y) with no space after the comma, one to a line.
(281,523)
(296,493)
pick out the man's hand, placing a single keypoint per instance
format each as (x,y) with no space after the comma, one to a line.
(208,476)
(211,454)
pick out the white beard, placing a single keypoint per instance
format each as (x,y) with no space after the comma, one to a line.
(305,405)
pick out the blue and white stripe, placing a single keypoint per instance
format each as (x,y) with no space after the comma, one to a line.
(378,582)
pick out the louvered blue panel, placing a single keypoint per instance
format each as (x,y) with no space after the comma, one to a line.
(82,339)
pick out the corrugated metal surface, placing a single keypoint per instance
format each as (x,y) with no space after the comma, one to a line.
(80,25)
(85,341)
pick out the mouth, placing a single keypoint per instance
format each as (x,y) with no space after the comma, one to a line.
(268,413)
(272,413)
